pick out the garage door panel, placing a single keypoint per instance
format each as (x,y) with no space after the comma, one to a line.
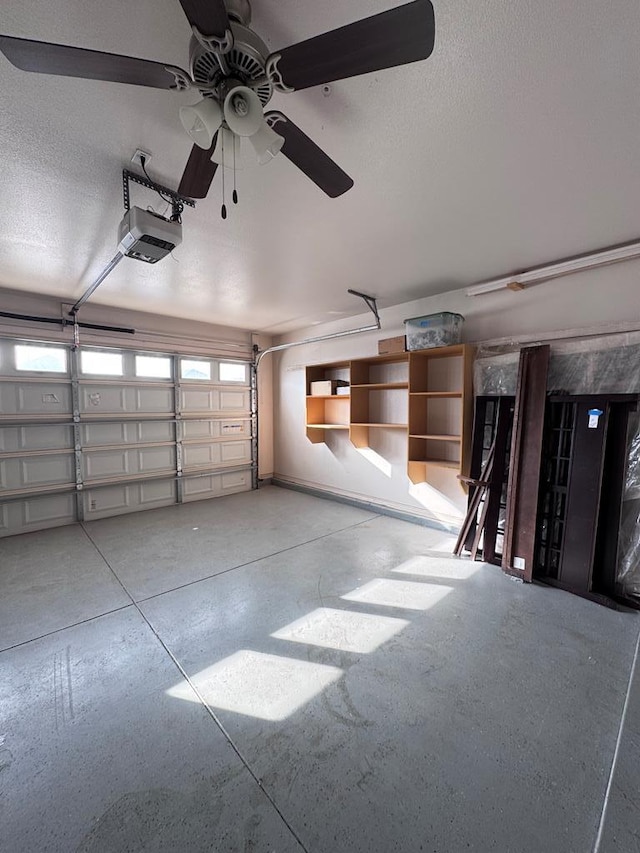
(235,451)
(198,400)
(217,453)
(32,437)
(155,431)
(50,437)
(105,463)
(194,455)
(100,435)
(200,429)
(49,511)
(129,461)
(154,399)
(201,488)
(18,472)
(36,514)
(235,400)
(125,400)
(35,398)
(130,497)
(158,491)
(152,459)
(237,428)
(107,499)
(102,398)
(44,470)
(97,435)
(213,429)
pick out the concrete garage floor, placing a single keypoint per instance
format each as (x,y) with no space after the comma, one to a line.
(275,672)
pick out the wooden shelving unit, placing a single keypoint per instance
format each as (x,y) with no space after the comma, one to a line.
(378,396)
(428,394)
(440,410)
(326,413)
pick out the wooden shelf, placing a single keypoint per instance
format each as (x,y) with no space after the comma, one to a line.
(327,396)
(443,395)
(383,386)
(388,358)
(327,426)
(383,426)
(457,438)
(441,463)
(440,352)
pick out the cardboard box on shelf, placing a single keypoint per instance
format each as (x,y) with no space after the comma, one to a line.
(387,346)
(327,387)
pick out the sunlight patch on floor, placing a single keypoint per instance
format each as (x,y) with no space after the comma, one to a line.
(433,567)
(269,687)
(392,593)
(344,630)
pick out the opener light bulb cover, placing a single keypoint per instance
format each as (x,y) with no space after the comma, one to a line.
(202,121)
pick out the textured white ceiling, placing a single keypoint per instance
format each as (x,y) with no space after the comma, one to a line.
(516,143)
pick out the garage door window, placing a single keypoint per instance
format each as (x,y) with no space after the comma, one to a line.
(101,363)
(41,359)
(233,371)
(153,367)
(195,369)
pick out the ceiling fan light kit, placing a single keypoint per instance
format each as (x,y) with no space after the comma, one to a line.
(231,67)
(201,121)
(266,143)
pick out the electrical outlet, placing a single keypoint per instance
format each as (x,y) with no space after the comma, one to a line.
(138,157)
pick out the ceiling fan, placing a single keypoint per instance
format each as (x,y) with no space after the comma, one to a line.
(236,74)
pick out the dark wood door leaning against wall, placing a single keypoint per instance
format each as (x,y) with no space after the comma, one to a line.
(581,489)
(524,464)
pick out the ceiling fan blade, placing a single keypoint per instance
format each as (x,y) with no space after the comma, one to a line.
(310,159)
(199,171)
(209,16)
(61,59)
(401,35)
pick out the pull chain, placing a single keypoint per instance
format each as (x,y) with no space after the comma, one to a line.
(235,194)
(223,211)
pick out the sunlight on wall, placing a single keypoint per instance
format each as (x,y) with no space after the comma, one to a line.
(260,685)
(345,630)
(406,594)
(379,461)
(437,503)
(435,567)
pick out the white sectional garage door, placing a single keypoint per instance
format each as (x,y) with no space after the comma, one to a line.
(98,432)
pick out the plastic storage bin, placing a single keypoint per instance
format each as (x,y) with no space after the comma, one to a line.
(434,330)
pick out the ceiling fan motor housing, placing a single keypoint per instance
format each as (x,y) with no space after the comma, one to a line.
(239,10)
(246,61)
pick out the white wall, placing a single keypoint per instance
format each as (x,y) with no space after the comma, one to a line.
(607,299)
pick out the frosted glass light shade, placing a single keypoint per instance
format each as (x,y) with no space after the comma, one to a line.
(243,111)
(202,121)
(266,142)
